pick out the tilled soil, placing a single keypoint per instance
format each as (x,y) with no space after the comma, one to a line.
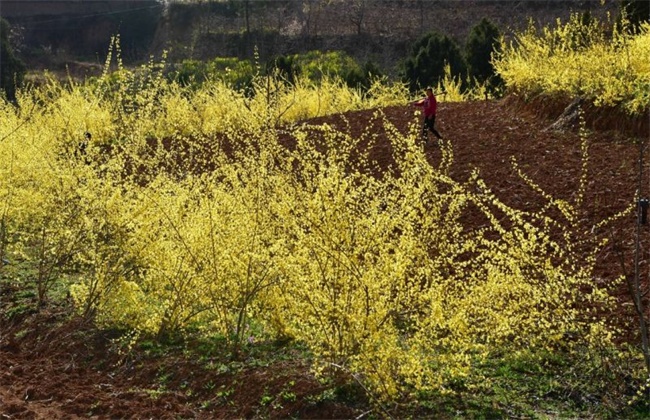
(51,368)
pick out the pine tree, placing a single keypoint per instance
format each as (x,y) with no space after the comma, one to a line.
(429,55)
(483,40)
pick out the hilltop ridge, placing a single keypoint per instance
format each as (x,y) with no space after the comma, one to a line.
(381,31)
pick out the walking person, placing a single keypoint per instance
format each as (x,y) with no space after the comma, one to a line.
(429,105)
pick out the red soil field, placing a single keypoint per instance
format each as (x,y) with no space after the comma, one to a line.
(53,365)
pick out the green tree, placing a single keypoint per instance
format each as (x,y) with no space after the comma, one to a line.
(483,40)
(361,77)
(286,66)
(426,63)
(12,69)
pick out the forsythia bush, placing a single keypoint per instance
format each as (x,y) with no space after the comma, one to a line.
(374,272)
(579,57)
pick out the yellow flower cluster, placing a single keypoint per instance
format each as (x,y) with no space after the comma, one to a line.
(579,57)
(375,273)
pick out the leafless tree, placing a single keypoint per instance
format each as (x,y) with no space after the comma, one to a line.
(356,13)
(311,10)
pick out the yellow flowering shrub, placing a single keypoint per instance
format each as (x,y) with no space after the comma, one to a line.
(375,273)
(579,58)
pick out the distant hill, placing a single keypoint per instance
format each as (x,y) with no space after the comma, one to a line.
(378,30)
(50,33)
(12,9)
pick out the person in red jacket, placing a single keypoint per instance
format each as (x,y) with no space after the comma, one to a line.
(429,106)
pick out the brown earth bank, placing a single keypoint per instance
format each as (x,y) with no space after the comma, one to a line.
(54,365)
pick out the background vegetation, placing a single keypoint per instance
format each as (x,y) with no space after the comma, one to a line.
(582,57)
(12,69)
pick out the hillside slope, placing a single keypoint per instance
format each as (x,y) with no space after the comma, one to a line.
(54,368)
(487,136)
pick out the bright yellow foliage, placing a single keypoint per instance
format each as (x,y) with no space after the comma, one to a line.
(579,58)
(375,275)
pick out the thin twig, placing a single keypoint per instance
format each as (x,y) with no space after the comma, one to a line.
(368,392)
